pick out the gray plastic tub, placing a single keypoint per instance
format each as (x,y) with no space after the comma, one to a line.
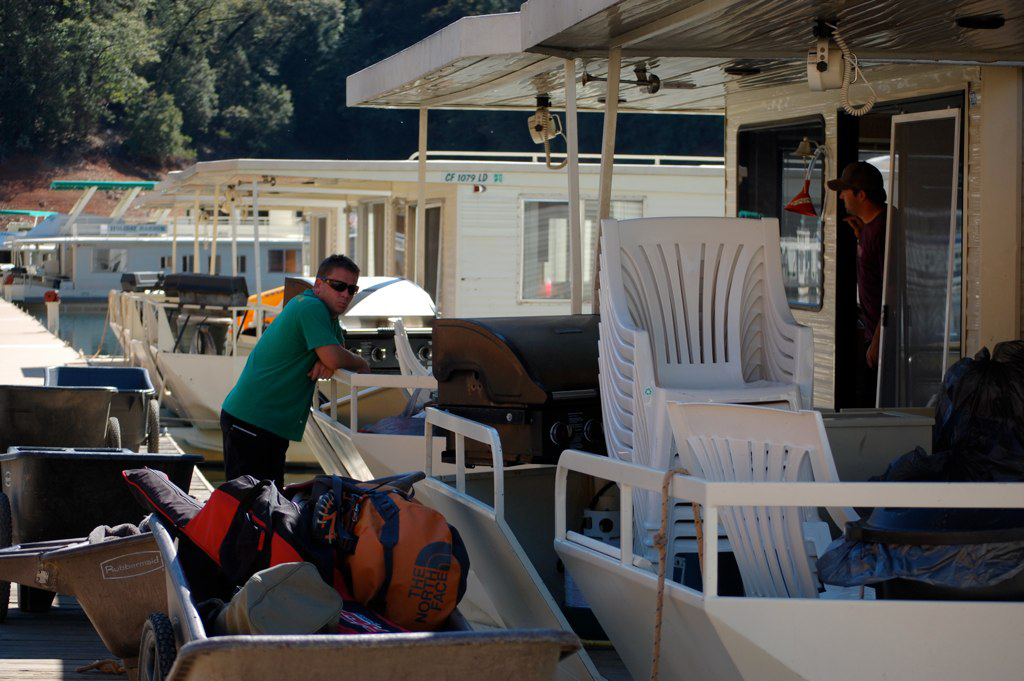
(134,405)
(183,651)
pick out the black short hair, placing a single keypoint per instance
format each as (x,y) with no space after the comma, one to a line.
(334,261)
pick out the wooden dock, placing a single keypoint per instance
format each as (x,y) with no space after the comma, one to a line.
(54,645)
(28,348)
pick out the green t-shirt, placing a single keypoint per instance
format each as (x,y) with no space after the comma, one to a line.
(274,391)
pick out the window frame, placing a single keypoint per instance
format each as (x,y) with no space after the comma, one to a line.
(524,199)
(779,128)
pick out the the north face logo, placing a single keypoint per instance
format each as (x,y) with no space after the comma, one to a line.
(430,578)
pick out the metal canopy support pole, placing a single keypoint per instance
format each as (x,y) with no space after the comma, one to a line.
(575,231)
(174,245)
(418,269)
(215,220)
(611,111)
(389,239)
(256,258)
(234,237)
(122,206)
(256,236)
(195,239)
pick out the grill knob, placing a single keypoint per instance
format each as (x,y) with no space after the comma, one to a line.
(425,353)
(379,354)
(560,433)
(592,430)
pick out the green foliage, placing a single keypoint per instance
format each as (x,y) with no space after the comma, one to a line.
(153,130)
(219,78)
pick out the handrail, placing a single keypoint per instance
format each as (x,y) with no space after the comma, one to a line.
(355,381)
(712,495)
(463,428)
(539,157)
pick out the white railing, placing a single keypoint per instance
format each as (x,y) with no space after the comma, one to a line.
(354,382)
(712,495)
(474,430)
(539,157)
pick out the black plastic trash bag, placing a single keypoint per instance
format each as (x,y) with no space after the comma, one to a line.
(959,566)
(979,418)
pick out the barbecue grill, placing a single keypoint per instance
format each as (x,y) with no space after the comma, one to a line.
(534,379)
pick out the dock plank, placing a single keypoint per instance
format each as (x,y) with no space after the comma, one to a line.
(28,348)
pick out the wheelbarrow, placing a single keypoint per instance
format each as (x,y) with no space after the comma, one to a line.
(50,493)
(47,416)
(182,651)
(118,582)
(134,406)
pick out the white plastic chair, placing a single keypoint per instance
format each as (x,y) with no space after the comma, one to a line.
(692,309)
(775,547)
(409,365)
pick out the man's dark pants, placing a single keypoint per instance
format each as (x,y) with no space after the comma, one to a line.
(251,450)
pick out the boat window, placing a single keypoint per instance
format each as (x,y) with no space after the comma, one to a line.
(241,264)
(545,262)
(770,176)
(109,259)
(286,260)
(215,269)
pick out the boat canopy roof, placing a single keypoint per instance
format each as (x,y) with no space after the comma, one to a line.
(699,50)
(58,225)
(28,213)
(107,185)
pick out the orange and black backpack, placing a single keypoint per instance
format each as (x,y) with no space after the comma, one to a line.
(400,558)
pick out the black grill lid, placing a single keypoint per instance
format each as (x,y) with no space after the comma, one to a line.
(521,359)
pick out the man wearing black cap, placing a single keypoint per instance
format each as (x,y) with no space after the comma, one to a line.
(863,194)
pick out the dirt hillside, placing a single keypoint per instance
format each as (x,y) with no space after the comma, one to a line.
(25,184)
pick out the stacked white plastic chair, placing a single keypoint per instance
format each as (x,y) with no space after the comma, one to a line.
(692,309)
(774,546)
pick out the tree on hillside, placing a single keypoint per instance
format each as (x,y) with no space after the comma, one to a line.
(67,68)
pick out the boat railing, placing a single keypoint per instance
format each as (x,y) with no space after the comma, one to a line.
(714,495)
(539,157)
(347,386)
(462,428)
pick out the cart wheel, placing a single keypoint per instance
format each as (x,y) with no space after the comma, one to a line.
(31,599)
(5,541)
(153,437)
(113,433)
(156,649)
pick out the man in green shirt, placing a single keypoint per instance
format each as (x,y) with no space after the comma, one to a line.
(269,404)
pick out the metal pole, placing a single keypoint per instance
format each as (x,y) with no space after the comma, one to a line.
(572,148)
(215,225)
(419,261)
(234,238)
(611,110)
(174,245)
(256,236)
(195,239)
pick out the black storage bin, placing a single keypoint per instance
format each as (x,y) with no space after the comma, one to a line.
(51,416)
(56,493)
(133,405)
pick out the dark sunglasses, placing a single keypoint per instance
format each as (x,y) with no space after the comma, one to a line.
(341,286)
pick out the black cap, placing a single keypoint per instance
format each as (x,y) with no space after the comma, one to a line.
(862,176)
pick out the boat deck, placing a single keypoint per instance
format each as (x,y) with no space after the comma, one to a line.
(28,348)
(56,644)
